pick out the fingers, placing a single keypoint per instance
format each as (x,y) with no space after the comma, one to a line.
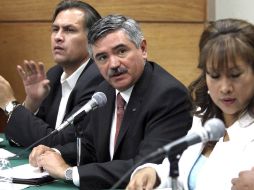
(245,180)
(21,72)
(143,179)
(135,185)
(139,185)
(41,69)
(30,68)
(53,163)
(36,153)
(234,182)
(40,161)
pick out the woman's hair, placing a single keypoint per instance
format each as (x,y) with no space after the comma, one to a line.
(222,42)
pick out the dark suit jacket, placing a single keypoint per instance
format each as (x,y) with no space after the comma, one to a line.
(158,112)
(24,127)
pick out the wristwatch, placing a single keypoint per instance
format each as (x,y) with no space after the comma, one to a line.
(68,174)
(10,106)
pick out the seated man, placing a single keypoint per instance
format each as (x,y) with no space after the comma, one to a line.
(156,110)
(68,85)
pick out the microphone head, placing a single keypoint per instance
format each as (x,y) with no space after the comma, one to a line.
(215,129)
(100,99)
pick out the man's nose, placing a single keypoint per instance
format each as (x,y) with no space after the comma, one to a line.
(59,36)
(114,62)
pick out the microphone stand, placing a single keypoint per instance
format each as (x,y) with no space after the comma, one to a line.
(174,155)
(78,150)
(174,170)
(79,136)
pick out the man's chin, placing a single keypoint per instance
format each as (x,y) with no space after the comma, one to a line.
(60,61)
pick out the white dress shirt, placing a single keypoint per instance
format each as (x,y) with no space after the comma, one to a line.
(126,96)
(67,83)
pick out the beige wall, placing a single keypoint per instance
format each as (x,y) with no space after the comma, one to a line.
(172,29)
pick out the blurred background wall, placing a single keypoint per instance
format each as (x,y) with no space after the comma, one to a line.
(172,29)
(241,9)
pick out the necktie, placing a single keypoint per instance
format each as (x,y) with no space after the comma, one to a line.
(119,113)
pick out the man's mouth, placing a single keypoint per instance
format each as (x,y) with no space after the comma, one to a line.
(56,48)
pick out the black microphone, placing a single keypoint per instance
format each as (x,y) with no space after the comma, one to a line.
(98,99)
(213,130)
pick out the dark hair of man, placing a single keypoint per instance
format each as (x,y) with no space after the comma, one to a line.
(222,42)
(91,15)
(113,23)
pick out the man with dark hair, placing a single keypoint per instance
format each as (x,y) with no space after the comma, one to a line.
(146,109)
(67,86)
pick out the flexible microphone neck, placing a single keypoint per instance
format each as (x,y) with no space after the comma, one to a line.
(21,153)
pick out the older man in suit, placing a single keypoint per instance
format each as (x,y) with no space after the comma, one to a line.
(156,110)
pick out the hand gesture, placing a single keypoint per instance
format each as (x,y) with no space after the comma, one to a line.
(35,83)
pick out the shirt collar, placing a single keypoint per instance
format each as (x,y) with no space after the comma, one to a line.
(126,94)
(243,127)
(244,121)
(73,78)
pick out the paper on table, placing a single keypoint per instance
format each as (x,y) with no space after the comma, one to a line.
(18,172)
(25,171)
(30,172)
(12,186)
(5,153)
(4,185)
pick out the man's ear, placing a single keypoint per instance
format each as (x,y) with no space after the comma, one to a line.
(143,47)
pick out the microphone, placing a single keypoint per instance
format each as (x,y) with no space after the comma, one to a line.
(213,130)
(98,99)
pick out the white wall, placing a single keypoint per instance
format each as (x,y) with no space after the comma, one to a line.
(242,9)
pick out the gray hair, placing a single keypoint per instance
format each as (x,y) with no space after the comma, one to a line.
(112,23)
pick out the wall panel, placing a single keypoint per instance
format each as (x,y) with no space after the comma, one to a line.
(142,10)
(174,47)
(23,41)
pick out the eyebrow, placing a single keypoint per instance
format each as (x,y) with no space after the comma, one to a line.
(64,26)
(119,46)
(114,48)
